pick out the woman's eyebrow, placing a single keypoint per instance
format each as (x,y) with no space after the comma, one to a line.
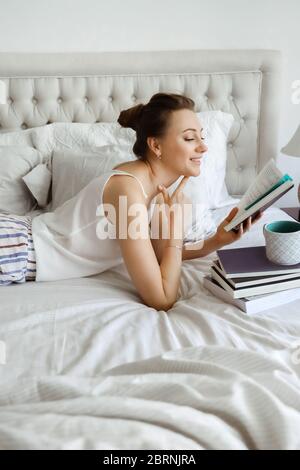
(190,129)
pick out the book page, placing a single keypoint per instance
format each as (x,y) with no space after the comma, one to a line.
(268,176)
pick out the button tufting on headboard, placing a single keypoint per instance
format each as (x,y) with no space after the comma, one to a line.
(245,83)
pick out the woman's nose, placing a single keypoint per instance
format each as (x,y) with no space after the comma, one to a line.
(202,148)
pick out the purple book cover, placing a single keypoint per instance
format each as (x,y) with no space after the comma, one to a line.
(252,260)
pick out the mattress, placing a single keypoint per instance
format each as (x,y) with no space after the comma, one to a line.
(85,354)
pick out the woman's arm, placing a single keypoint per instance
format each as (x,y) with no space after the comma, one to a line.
(196,250)
(157,284)
(160,220)
(221,237)
(209,245)
(201,248)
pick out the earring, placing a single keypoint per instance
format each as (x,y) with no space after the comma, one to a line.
(159,157)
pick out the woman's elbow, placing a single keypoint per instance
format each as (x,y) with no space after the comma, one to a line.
(168,306)
(161,305)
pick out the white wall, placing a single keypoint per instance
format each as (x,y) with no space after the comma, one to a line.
(97,25)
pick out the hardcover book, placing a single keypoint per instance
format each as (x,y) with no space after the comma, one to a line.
(254,304)
(258,289)
(251,262)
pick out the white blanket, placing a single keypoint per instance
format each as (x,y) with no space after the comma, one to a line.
(58,339)
(195,398)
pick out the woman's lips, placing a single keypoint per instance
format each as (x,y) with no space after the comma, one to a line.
(196,160)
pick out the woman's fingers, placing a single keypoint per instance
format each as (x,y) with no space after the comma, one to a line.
(241,231)
(181,185)
(177,191)
(231,214)
(257,217)
(244,227)
(164,192)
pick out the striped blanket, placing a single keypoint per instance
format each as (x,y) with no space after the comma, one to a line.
(17,255)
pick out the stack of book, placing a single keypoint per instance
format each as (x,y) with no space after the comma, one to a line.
(246,278)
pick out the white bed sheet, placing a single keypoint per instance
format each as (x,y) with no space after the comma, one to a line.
(60,335)
(86,326)
(206,397)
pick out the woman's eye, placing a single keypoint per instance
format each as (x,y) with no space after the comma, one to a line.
(189,139)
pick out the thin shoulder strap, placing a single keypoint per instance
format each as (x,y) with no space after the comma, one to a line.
(125,172)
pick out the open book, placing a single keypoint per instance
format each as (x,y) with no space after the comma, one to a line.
(269,185)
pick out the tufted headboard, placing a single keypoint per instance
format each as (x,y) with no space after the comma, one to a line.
(95,87)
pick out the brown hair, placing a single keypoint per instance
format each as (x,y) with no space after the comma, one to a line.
(152,119)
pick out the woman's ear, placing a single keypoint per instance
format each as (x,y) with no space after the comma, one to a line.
(154,145)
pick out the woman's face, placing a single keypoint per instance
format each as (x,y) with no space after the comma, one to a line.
(183,146)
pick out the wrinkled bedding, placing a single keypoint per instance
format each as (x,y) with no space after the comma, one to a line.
(82,355)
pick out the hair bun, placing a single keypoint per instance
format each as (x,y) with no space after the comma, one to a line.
(131,117)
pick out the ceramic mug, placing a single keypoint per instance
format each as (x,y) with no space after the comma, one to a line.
(283,242)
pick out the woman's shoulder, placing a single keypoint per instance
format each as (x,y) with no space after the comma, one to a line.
(122,182)
(128,166)
(136,169)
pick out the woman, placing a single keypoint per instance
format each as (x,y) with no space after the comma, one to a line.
(69,242)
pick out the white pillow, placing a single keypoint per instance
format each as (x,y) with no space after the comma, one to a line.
(207,191)
(78,136)
(17,138)
(16,162)
(38,181)
(79,168)
(209,187)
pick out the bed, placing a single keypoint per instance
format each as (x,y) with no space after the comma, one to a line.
(84,364)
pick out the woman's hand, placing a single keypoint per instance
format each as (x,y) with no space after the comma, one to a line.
(175,209)
(225,238)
